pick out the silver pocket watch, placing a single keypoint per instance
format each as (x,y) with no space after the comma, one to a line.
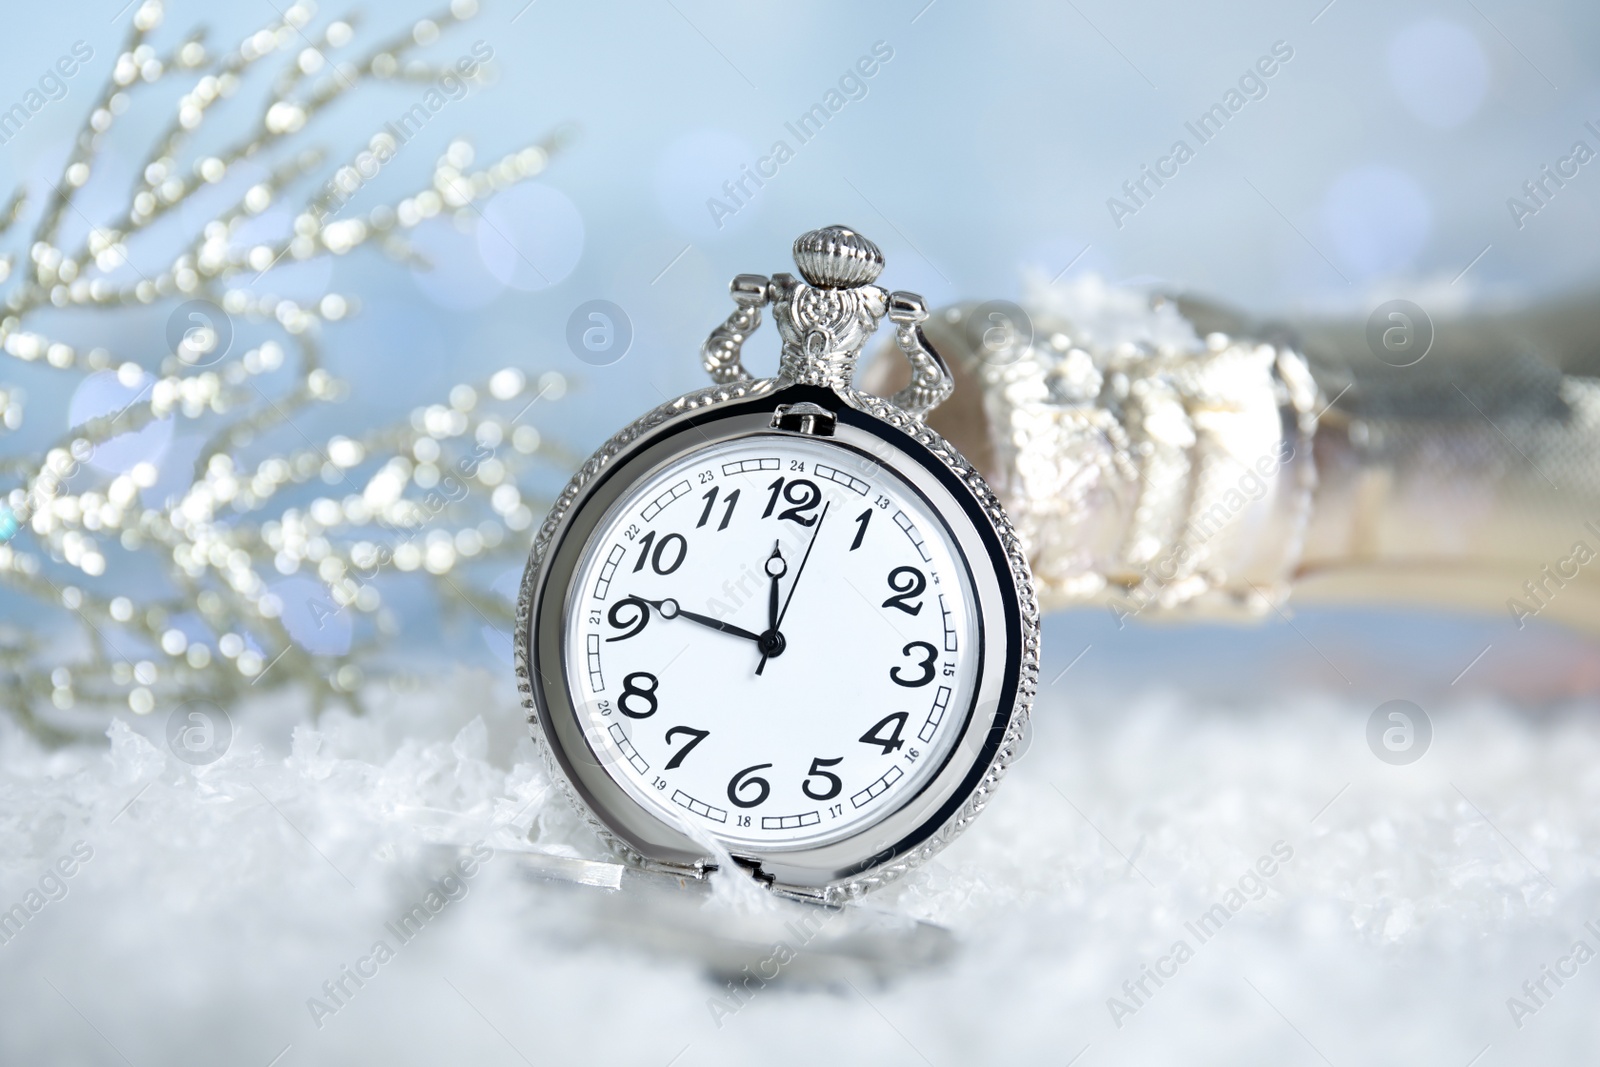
(779,615)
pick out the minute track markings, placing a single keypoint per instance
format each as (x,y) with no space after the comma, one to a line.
(877,788)
(950,643)
(699,807)
(656,506)
(940,700)
(750,466)
(902,520)
(602,584)
(834,474)
(625,746)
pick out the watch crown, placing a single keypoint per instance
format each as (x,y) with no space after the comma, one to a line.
(836,257)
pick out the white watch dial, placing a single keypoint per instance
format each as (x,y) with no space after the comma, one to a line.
(773,639)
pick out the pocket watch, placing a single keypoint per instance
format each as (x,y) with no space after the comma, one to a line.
(779,624)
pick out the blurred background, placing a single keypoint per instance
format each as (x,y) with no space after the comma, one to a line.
(989,145)
(1387,155)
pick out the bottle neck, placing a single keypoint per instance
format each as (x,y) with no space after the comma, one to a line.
(1217,479)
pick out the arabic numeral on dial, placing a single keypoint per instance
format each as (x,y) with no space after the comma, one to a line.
(658,782)
(657,557)
(891,742)
(835,810)
(631,614)
(741,820)
(747,779)
(862,519)
(907,582)
(640,686)
(802,493)
(711,502)
(817,771)
(930,654)
(681,550)
(695,737)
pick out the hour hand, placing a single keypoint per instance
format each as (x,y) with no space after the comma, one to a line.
(669,609)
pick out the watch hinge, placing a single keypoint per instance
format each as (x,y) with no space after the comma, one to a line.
(814,420)
(697,871)
(753,869)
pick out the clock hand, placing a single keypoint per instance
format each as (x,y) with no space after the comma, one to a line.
(776,568)
(776,638)
(670,610)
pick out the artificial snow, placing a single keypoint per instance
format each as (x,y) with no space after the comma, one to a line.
(1112,906)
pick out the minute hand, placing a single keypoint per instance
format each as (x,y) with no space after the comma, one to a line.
(794,584)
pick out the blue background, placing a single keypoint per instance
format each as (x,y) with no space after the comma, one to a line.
(1378,164)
